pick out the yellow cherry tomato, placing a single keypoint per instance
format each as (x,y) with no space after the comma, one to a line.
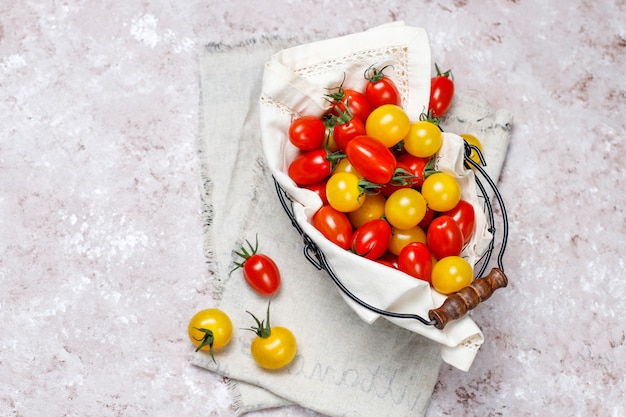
(473,140)
(372,208)
(405,208)
(273,347)
(441,191)
(400,238)
(424,139)
(210,329)
(451,274)
(343,192)
(344,165)
(388,123)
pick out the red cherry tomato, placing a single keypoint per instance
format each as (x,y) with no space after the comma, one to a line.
(355,100)
(444,237)
(380,89)
(371,240)
(334,225)
(417,166)
(310,167)
(388,259)
(428,217)
(260,271)
(371,159)
(348,128)
(441,92)
(463,214)
(320,189)
(415,260)
(307,133)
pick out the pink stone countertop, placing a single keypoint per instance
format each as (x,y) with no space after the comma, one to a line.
(101,261)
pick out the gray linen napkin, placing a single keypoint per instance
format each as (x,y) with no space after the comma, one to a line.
(344,366)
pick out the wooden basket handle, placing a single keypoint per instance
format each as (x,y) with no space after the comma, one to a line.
(458,304)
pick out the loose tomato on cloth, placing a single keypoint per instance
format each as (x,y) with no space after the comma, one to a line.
(307,133)
(380,89)
(474,141)
(371,240)
(260,271)
(210,329)
(441,93)
(273,347)
(334,225)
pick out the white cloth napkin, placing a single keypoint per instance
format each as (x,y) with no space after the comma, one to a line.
(344,366)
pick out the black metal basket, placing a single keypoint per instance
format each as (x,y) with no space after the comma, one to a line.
(459,303)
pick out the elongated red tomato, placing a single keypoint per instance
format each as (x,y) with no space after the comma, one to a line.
(415,260)
(310,167)
(334,225)
(307,133)
(463,214)
(259,270)
(371,240)
(444,237)
(441,93)
(380,89)
(371,159)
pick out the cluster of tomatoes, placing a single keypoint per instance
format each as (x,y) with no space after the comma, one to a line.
(373,169)
(273,347)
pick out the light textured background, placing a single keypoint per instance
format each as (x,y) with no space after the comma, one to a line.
(101,262)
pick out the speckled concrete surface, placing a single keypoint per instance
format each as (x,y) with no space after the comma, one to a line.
(101,261)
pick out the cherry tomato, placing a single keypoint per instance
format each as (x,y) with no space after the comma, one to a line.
(210,329)
(334,225)
(451,274)
(388,259)
(428,217)
(415,260)
(347,127)
(355,100)
(400,238)
(418,167)
(343,192)
(463,214)
(372,208)
(260,271)
(371,159)
(319,188)
(441,92)
(441,191)
(388,123)
(473,140)
(310,167)
(344,165)
(424,139)
(402,178)
(444,237)
(274,346)
(371,240)
(380,89)
(307,133)
(405,208)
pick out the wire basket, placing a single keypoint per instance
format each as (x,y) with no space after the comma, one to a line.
(458,304)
